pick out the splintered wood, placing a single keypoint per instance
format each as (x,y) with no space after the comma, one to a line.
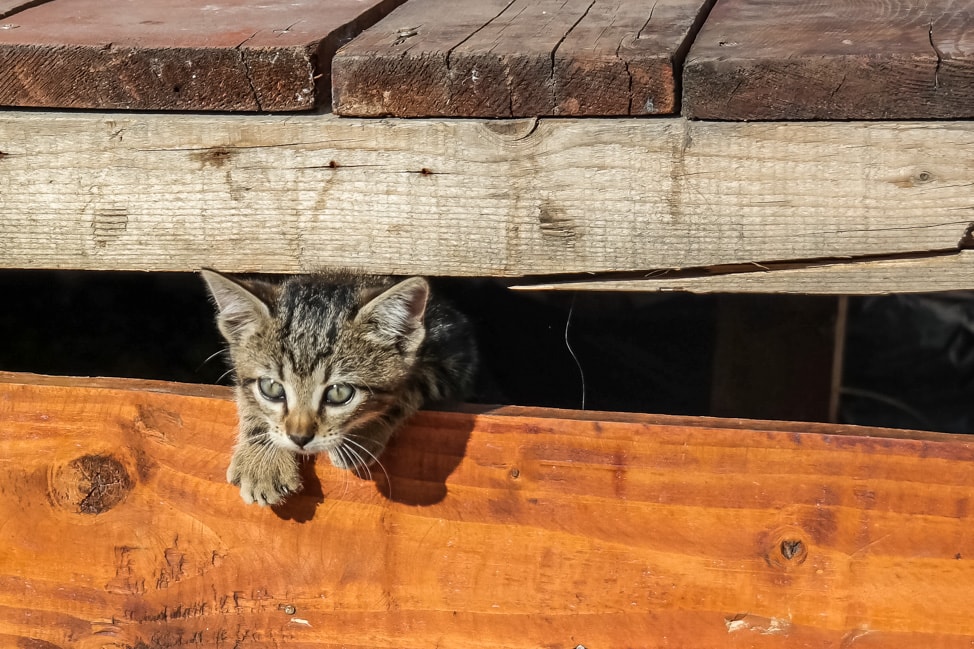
(825,59)
(514,528)
(176,54)
(518,58)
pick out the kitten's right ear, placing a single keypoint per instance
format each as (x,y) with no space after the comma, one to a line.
(240,311)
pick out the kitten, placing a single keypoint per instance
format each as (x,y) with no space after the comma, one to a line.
(332,363)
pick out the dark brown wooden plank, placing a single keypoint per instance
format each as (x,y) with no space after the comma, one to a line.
(517,58)
(10,7)
(831,59)
(775,357)
(242,55)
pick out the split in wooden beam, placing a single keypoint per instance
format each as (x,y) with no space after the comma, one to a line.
(866,275)
(505,528)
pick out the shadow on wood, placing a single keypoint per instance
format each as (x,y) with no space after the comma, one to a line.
(543,529)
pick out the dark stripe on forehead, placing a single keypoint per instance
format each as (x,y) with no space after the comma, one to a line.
(312,314)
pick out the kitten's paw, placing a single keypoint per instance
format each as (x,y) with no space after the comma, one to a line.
(265,475)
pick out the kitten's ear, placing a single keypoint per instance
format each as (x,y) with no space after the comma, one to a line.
(240,311)
(396,316)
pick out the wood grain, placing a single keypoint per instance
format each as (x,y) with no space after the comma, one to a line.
(177,54)
(466,197)
(826,59)
(942,272)
(518,58)
(514,528)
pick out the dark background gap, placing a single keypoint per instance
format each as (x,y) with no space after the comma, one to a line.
(909,359)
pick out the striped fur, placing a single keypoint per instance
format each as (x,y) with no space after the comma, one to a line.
(332,363)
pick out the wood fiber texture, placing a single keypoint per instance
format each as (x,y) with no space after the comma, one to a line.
(829,59)
(295,193)
(228,55)
(518,58)
(511,528)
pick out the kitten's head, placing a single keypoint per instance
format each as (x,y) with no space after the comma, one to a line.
(321,362)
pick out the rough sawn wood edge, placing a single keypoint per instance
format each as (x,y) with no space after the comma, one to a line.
(508,198)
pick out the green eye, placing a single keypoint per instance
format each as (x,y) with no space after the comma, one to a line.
(339,394)
(270,389)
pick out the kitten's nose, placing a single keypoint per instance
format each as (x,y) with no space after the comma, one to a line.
(301,438)
(300,428)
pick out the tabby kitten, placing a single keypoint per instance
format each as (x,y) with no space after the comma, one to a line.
(332,363)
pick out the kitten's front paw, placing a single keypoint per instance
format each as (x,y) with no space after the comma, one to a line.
(265,475)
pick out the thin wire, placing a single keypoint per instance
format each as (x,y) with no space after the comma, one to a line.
(578,364)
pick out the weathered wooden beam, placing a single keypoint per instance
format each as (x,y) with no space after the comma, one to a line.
(466,197)
(827,59)
(507,528)
(274,55)
(518,58)
(460,197)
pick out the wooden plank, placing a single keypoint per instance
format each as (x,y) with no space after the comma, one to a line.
(515,528)
(827,59)
(774,357)
(518,58)
(462,197)
(10,7)
(839,277)
(177,54)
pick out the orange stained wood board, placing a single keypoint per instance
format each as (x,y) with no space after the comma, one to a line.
(518,58)
(831,59)
(237,55)
(508,528)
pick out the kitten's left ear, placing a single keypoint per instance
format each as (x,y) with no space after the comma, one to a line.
(240,311)
(396,316)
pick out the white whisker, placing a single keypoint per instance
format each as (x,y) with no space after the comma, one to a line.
(348,438)
(345,480)
(358,463)
(212,356)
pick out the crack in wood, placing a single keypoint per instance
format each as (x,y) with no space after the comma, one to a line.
(652,9)
(574,281)
(449,52)
(625,63)
(892,229)
(554,50)
(248,75)
(940,58)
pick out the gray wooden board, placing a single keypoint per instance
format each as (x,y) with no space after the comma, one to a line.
(466,197)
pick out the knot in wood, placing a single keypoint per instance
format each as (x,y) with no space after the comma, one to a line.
(787,548)
(90,484)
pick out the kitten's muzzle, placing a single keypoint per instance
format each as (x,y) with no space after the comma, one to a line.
(300,428)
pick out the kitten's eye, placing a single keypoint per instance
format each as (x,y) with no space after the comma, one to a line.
(270,389)
(339,394)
